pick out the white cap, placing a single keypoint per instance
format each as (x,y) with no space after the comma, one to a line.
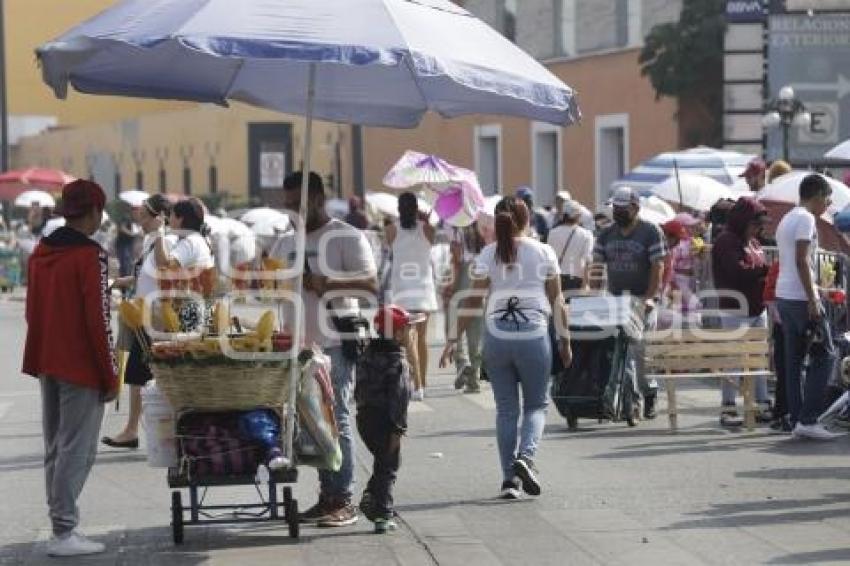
(563,195)
(625,196)
(572,209)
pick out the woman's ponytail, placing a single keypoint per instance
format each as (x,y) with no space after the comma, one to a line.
(505,232)
(511,220)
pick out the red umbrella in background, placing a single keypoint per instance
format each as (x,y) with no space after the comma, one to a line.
(13,183)
(829,238)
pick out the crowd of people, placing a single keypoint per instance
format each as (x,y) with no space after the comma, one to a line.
(509,280)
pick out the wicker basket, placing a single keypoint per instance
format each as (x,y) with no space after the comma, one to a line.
(227,386)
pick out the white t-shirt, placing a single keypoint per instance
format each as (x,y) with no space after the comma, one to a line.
(193,251)
(146,282)
(336,250)
(525,279)
(798,225)
(579,253)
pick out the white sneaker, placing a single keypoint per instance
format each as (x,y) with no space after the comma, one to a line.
(418,395)
(74,544)
(814,432)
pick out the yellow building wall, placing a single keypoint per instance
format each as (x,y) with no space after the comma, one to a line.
(200,135)
(30,23)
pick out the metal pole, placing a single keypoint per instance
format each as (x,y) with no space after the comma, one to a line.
(4,111)
(301,244)
(678,184)
(785,141)
(357,160)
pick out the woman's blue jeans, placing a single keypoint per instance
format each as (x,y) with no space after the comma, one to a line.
(518,358)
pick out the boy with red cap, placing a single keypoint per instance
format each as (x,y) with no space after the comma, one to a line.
(69,349)
(382,393)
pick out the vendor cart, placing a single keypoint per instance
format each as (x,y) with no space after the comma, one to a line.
(210,393)
(603,330)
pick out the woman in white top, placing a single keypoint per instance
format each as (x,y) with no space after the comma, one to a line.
(519,276)
(573,245)
(192,254)
(143,282)
(412,280)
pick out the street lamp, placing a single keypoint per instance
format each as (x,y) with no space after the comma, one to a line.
(786,110)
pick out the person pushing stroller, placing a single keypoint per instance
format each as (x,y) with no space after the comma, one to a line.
(382,394)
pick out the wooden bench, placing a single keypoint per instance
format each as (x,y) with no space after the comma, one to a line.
(677,354)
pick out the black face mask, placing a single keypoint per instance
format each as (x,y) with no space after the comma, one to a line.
(623,218)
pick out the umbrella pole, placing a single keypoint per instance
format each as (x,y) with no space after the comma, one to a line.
(678,185)
(300,243)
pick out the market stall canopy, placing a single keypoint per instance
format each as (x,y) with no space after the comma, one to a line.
(388,66)
(693,191)
(829,237)
(722,166)
(263,214)
(13,183)
(786,188)
(841,151)
(134,198)
(28,198)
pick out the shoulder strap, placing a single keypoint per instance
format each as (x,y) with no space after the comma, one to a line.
(567,246)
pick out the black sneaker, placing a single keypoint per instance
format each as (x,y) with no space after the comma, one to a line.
(781,425)
(339,515)
(764,412)
(649,407)
(527,474)
(365,505)
(729,418)
(510,489)
(315,513)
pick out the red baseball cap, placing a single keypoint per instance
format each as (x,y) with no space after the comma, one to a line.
(674,228)
(392,317)
(755,167)
(79,197)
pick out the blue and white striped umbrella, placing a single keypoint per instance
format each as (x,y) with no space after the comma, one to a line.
(722,166)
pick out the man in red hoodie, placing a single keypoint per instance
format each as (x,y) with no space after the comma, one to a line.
(69,349)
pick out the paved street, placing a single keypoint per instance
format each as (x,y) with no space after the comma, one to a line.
(612,495)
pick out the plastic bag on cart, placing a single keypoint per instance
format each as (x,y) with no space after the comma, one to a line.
(212,444)
(317,443)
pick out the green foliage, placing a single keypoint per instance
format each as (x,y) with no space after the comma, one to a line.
(685,60)
(680,58)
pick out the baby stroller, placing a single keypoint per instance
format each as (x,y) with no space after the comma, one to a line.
(603,329)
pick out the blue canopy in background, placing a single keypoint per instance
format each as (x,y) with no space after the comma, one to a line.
(722,166)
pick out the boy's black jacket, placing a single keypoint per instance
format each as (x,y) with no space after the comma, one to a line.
(383,380)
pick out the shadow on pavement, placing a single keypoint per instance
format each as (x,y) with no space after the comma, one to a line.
(729,509)
(835,555)
(697,447)
(737,515)
(440,505)
(142,546)
(36,461)
(838,473)
(607,430)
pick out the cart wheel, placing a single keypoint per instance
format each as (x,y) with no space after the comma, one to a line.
(292,519)
(176,517)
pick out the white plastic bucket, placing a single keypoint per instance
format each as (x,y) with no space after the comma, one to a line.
(158,424)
